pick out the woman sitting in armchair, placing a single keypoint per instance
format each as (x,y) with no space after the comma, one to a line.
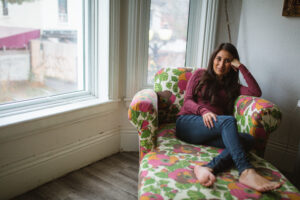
(206,117)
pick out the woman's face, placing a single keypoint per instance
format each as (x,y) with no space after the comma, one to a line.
(222,63)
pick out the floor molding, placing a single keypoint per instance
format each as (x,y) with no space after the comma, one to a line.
(283,156)
(276,145)
(129,140)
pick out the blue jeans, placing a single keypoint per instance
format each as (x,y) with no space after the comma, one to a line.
(191,129)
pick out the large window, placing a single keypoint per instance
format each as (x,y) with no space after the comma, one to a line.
(181,34)
(167,35)
(48,51)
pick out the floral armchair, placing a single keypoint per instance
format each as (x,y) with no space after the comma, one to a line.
(166,163)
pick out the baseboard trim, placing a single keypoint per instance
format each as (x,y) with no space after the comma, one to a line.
(281,155)
(29,173)
(129,140)
(290,149)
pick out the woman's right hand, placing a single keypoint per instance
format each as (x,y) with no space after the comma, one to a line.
(208,119)
(235,63)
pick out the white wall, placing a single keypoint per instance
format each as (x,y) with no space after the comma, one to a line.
(269,45)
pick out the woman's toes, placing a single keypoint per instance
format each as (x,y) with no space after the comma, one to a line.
(279,185)
(212,178)
(208,183)
(204,175)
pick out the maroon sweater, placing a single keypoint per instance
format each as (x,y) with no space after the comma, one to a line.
(200,107)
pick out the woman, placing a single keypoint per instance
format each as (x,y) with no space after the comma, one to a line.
(206,117)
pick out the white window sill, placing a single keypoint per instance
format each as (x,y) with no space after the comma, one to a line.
(57,110)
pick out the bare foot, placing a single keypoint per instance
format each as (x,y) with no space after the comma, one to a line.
(204,175)
(255,181)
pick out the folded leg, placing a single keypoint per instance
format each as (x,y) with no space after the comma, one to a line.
(224,160)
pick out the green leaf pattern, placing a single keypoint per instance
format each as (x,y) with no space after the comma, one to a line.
(168,80)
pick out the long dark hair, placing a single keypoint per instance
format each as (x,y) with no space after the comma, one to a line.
(209,85)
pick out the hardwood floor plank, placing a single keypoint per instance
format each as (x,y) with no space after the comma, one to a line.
(28,196)
(126,161)
(115,177)
(91,187)
(128,158)
(112,164)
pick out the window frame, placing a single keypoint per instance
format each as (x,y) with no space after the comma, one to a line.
(96,28)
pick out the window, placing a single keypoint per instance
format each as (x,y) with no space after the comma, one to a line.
(167,35)
(180,33)
(46,62)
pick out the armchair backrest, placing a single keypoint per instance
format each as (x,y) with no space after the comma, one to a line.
(170,85)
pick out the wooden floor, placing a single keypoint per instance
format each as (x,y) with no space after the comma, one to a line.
(115,177)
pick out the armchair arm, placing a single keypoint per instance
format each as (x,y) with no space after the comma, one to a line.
(142,113)
(257,117)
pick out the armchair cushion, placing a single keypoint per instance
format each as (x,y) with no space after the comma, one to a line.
(170,85)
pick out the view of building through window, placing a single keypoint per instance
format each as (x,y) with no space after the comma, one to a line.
(167,35)
(40,48)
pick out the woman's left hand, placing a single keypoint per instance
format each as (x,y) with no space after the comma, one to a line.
(235,63)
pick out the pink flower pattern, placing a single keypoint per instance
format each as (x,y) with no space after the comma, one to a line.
(151,196)
(183,176)
(159,159)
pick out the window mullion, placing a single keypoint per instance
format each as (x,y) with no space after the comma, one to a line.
(102,50)
(114,55)
(91,47)
(132,48)
(87,33)
(144,44)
